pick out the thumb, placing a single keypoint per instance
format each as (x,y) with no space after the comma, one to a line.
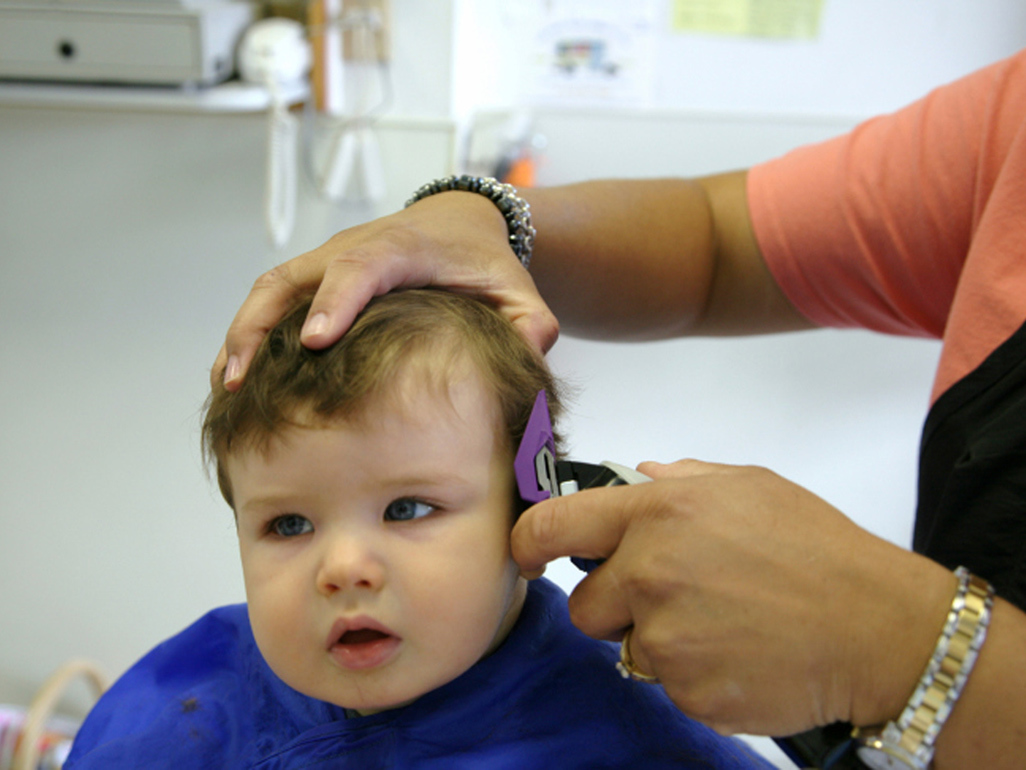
(681,469)
(588,524)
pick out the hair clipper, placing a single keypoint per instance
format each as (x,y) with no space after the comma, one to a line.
(541,476)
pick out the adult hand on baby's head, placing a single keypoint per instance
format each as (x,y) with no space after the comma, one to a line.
(760,607)
(453,240)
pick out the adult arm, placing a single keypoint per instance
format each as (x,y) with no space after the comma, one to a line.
(651,259)
(762,609)
(617,259)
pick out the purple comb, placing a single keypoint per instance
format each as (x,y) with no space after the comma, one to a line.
(535,463)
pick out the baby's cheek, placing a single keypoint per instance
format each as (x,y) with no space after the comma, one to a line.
(271,622)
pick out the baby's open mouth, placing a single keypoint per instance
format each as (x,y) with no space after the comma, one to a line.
(361,636)
(363,648)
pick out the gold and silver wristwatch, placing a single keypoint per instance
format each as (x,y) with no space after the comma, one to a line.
(908,743)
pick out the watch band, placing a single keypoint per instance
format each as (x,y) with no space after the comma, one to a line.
(912,736)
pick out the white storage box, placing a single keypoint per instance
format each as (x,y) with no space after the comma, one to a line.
(160,42)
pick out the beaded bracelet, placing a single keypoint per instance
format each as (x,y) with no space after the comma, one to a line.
(515,210)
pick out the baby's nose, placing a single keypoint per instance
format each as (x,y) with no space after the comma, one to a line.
(350,563)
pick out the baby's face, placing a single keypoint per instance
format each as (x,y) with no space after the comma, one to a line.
(376,554)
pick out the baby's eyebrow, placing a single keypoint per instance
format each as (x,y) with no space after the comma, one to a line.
(272,500)
(401,480)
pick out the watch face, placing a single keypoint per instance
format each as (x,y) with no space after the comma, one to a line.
(878,758)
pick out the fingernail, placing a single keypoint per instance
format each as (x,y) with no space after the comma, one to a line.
(231,371)
(315,325)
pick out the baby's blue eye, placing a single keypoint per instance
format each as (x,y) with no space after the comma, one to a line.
(406,508)
(290,525)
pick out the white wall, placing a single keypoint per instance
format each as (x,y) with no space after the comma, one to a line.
(129,238)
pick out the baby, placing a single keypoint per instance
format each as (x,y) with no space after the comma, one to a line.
(387,624)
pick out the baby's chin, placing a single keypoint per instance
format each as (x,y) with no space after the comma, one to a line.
(368,711)
(359,704)
(367,697)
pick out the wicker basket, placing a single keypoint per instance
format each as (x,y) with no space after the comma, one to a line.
(33,734)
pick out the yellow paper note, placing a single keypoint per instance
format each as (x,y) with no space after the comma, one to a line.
(794,19)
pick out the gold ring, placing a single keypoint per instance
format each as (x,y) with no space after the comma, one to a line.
(627,667)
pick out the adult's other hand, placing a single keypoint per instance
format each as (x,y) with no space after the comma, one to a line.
(453,240)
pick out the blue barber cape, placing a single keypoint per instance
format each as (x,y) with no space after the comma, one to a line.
(548,697)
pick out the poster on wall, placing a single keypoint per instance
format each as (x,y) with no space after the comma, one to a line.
(599,52)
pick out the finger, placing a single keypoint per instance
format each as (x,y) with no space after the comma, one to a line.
(217,371)
(528,312)
(588,524)
(272,295)
(533,574)
(351,279)
(683,469)
(636,652)
(599,606)
(335,306)
(539,327)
